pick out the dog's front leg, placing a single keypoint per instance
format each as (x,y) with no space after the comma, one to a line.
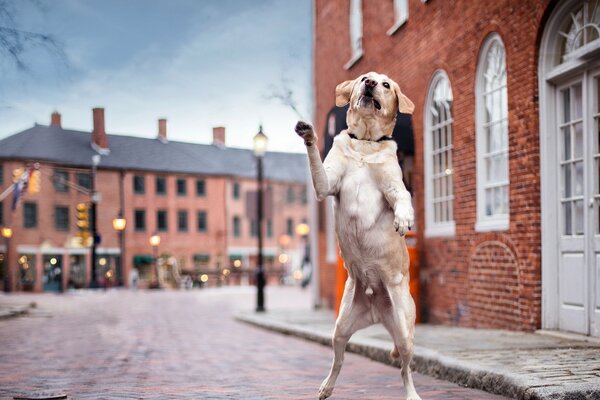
(325,176)
(392,186)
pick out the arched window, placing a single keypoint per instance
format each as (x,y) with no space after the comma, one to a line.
(439,170)
(492,137)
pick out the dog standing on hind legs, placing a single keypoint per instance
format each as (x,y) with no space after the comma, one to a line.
(373,211)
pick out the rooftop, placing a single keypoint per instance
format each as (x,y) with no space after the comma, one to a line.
(73,148)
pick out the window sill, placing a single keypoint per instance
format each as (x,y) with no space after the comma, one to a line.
(353,60)
(441,230)
(492,225)
(397,25)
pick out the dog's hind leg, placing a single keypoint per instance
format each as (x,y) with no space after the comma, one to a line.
(354,315)
(400,323)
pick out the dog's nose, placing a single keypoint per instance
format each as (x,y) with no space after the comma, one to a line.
(370,83)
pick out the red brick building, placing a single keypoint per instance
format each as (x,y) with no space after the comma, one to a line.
(199,199)
(506,149)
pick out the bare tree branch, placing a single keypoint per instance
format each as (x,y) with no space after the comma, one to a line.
(15,42)
(284,93)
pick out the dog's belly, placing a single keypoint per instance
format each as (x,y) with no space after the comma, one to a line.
(364,224)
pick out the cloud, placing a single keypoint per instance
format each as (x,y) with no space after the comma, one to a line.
(215,70)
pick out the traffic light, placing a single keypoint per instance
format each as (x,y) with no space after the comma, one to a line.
(83,222)
(34,182)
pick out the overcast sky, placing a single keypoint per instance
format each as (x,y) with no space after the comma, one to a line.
(198,63)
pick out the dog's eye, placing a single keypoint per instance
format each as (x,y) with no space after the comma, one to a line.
(363,78)
(386,85)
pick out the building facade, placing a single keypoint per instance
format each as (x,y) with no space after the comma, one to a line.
(199,200)
(506,141)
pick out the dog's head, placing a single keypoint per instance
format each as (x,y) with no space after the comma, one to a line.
(374,101)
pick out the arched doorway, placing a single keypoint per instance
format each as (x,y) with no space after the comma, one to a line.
(569,90)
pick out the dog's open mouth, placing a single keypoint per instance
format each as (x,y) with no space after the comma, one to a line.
(368,101)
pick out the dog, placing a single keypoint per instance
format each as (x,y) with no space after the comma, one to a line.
(373,211)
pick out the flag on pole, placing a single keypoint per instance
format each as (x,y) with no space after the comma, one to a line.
(19,188)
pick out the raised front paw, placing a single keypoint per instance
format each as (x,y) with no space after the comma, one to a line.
(306,132)
(403,221)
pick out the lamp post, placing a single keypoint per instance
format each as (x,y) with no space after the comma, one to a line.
(155,242)
(119,224)
(7,234)
(93,213)
(260,148)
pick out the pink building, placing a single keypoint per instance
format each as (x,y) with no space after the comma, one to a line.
(199,199)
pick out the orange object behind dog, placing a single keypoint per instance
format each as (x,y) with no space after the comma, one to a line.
(340,282)
(413,254)
(411,243)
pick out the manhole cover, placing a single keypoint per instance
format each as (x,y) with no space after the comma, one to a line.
(40,396)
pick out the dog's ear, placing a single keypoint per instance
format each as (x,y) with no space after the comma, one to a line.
(405,106)
(343,91)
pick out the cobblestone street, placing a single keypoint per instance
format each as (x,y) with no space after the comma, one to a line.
(125,344)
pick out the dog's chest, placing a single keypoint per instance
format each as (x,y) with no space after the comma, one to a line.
(360,196)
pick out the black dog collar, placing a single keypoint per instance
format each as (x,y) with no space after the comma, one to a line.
(381,139)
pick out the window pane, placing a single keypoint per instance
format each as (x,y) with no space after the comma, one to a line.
(200,187)
(566,183)
(567,218)
(84,180)
(578,211)
(182,221)
(566,133)
(139,184)
(140,220)
(488,202)
(577,101)
(61,179)
(578,183)
(566,109)
(181,186)
(578,140)
(202,223)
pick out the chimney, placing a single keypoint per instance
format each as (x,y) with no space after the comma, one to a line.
(219,136)
(55,119)
(162,130)
(99,138)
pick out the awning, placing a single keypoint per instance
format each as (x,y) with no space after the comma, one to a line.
(142,259)
(201,257)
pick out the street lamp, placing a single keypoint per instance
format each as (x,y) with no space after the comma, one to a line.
(119,224)
(260,148)
(93,217)
(155,242)
(7,234)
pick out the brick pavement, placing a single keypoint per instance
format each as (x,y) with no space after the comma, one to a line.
(173,345)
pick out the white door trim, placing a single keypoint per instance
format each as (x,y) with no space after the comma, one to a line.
(548,77)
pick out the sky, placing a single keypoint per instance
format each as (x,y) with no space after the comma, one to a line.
(197,63)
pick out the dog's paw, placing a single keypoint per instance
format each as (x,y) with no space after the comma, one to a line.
(325,391)
(403,222)
(306,132)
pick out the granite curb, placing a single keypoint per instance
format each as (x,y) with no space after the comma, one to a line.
(436,364)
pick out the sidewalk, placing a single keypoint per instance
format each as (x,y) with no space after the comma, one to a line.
(525,366)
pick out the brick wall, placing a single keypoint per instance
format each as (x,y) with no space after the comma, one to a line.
(470,279)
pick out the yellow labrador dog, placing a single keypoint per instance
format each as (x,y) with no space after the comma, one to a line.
(373,211)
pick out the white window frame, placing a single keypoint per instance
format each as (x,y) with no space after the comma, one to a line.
(400,15)
(432,228)
(355,26)
(495,222)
